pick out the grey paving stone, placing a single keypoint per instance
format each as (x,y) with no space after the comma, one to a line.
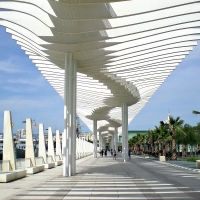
(108,179)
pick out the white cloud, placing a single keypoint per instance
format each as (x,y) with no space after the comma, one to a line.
(8,67)
(19,90)
(40,81)
(19,103)
(14,64)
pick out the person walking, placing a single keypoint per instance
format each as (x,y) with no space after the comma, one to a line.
(114,155)
(129,153)
(102,153)
(105,152)
(111,152)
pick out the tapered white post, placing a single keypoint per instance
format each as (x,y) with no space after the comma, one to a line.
(42,149)
(51,151)
(29,152)
(124,132)
(84,147)
(63,139)
(58,147)
(8,142)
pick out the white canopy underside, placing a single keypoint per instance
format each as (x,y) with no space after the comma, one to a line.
(124,49)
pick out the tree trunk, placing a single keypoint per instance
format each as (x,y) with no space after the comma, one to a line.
(184,150)
(141,149)
(178,150)
(174,155)
(168,151)
(135,149)
(191,153)
(196,149)
(160,149)
(164,149)
(152,149)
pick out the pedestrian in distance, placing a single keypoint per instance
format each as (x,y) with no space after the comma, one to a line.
(114,155)
(129,153)
(102,153)
(111,152)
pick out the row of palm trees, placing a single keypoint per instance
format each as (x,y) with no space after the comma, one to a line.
(163,140)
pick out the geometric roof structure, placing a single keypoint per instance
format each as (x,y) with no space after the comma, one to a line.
(124,49)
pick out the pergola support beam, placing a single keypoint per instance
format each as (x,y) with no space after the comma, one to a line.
(95,138)
(124,132)
(116,140)
(69,158)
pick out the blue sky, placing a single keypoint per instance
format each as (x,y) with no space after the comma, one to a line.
(26,93)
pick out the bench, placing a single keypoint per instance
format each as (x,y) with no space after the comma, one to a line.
(35,169)
(146,155)
(162,158)
(59,162)
(49,165)
(12,175)
(198,164)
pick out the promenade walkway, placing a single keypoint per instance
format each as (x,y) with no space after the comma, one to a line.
(105,178)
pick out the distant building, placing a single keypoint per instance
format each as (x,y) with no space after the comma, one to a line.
(21,133)
(87,136)
(132,134)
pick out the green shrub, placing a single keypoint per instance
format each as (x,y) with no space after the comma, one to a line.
(193,159)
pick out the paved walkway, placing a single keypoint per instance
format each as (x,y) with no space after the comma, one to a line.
(179,163)
(105,178)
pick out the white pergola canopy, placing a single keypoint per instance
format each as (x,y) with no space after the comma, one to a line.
(124,49)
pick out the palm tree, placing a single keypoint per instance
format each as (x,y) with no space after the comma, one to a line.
(141,142)
(133,143)
(147,139)
(167,151)
(138,141)
(162,133)
(164,137)
(190,136)
(197,133)
(175,125)
(151,138)
(158,141)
